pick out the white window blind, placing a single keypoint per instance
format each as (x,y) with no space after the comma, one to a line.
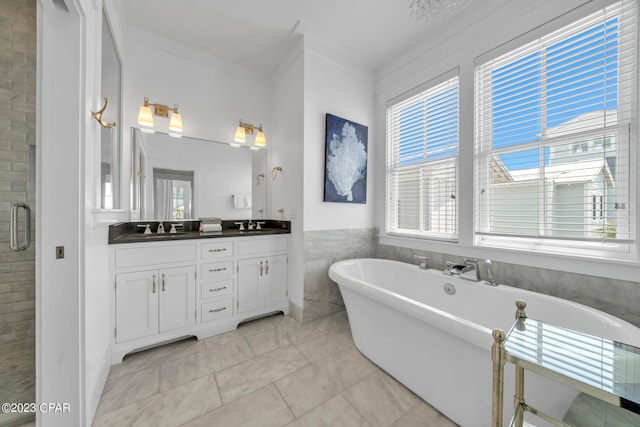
(422,162)
(555,153)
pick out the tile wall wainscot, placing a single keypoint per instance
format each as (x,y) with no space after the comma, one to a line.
(617,297)
(321,249)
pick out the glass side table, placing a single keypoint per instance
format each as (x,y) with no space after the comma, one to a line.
(605,369)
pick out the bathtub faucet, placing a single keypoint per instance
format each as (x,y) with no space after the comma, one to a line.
(490,280)
(471,270)
(423,262)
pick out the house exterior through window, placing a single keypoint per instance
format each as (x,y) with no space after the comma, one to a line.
(554,164)
(422,162)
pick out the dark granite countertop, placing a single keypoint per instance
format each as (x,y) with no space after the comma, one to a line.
(133,232)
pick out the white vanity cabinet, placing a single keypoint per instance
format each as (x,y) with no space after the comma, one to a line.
(154,301)
(262,280)
(217,284)
(166,290)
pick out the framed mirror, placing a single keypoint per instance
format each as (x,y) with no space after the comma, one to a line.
(185,178)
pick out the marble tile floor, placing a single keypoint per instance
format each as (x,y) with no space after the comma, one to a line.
(269,372)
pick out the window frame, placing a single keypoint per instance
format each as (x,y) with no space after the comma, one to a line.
(623,249)
(392,227)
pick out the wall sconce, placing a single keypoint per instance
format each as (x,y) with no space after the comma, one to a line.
(145,116)
(247,128)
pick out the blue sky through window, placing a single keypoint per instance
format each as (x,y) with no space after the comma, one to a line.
(429,128)
(555,85)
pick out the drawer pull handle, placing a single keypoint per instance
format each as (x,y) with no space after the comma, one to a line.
(218,250)
(215,270)
(217,310)
(218,289)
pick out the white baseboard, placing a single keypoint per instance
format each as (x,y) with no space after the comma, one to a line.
(98,387)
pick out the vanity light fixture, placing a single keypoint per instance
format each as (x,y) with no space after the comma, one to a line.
(247,128)
(145,115)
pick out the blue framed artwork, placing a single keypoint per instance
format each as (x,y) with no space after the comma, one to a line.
(345,172)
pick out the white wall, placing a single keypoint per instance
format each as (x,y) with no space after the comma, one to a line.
(482,27)
(335,84)
(97,286)
(212,95)
(72,317)
(287,152)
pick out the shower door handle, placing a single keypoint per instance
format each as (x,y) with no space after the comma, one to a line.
(13,229)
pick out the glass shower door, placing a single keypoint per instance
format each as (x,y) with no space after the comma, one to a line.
(17,206)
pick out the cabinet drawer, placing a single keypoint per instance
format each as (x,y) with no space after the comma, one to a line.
(216,250)
(217,309)
(262,246)
(217,289)
(216,270)
(150,255)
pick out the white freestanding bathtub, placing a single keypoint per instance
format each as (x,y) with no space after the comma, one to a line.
(439,345)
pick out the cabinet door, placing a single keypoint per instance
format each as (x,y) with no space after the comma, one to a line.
(136,305)
(275,287)
(177,297)
(250,295)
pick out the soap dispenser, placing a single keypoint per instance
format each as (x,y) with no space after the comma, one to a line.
(160,228)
